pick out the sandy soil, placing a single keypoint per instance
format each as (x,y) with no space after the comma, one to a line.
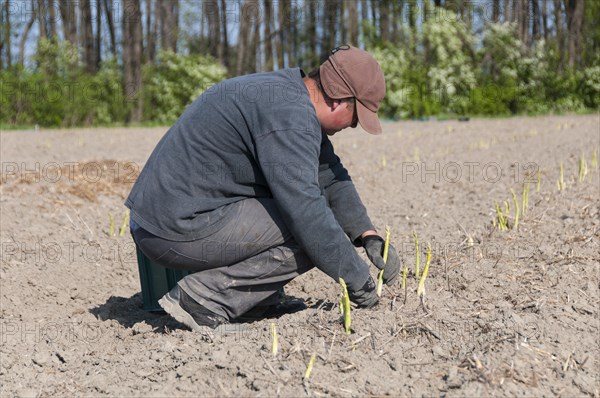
(506,313)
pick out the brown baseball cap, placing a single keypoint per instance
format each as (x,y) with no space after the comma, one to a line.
(352,72)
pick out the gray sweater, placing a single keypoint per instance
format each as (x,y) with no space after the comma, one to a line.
(254,136)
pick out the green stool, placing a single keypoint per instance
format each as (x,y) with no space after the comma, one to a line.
(156,281)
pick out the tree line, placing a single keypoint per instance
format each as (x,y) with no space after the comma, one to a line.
(246,36)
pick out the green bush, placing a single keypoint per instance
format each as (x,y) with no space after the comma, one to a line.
(449,52)
(58,93)
(175,81)
(589,86)
(437,72)
(397,101)
(104,95)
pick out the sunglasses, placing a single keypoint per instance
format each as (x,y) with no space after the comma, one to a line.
(355,116)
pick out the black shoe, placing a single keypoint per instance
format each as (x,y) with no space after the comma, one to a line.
(186,310)
(286,306)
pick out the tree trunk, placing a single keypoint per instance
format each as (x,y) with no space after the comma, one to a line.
(41,11)
(342,26)
(244,39)
(328,23)
(7,35)
(518,15)
(111,27)
(241,44)
(52,17)
(150,38)
(203,46)
(69,20)
(545,19)
(495,11)
(373,5)
(2,40)
(25,34)
(535,14)
(268,21)
(290,31)
(225,42)
(294,32)
(558,23)
(98,45)
(466,14)
(282,10)
(525,22)
(175,24)
(506,14)
(313,45)
(352,23)
(384,20)
(217,34)
(169,24)
(155,24)
(437,3)
(396,18)
(255,59)
(574,10)
(3,28)
(412,23)
(132,57)
(87,36)
(211,13)
(514,14)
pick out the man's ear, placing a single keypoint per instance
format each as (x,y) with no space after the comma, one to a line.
(335,104)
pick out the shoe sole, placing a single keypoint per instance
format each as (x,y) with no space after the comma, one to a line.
(172,307)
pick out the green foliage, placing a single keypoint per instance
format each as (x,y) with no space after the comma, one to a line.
(518,80)
(175,81)
(589,87)
(450,56)
(446,75)
(408,92)
(58,93)
(501,53)
(394,63)
(435,69)
(105,95)
(502,73)
(57,59)
(438,80)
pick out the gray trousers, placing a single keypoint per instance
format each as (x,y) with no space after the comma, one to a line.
(242,265)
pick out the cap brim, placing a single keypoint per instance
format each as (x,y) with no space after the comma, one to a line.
(368,119)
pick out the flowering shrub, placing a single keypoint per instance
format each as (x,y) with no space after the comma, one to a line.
(175,81)
(589,88)
(394,64)
(450,56)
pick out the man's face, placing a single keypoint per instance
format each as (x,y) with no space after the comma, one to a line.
(342,116)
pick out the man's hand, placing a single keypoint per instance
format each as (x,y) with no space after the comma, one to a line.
(373,245)
(366,296)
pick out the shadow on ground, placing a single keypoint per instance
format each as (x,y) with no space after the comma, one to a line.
(129,312)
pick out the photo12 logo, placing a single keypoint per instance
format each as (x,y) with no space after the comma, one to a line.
(53,252)
(452,172)
(53,172)
(52,332)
